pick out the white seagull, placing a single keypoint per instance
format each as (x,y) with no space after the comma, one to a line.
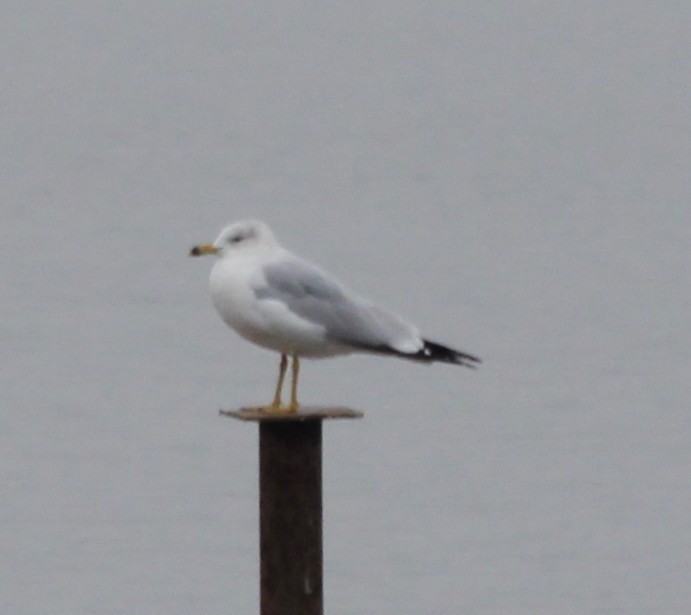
(279,301)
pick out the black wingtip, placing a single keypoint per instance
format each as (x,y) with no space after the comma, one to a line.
(432,351)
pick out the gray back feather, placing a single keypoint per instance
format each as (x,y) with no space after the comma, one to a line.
(315,296)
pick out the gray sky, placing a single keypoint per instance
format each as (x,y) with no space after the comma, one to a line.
(512,177)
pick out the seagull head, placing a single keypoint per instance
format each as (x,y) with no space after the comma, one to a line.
(246,236)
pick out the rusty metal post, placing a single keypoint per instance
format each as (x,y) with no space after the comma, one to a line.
(290,508)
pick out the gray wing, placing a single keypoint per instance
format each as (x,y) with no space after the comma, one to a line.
(347,319)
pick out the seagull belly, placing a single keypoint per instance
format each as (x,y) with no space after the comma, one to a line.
(285,331)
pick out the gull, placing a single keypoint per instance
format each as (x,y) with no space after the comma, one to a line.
(282,302)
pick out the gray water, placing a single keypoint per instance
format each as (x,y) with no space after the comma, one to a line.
(512,177)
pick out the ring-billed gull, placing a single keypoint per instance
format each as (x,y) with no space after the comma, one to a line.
(279,301)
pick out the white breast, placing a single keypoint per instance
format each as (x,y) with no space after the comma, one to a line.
(232,295)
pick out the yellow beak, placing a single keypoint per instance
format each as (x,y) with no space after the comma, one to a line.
(205,248)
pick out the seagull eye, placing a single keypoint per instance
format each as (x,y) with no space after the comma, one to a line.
(235,239)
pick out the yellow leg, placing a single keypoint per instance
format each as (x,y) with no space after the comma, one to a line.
(294,384)
(276,405)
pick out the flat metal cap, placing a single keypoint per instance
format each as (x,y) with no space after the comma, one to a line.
(304,413)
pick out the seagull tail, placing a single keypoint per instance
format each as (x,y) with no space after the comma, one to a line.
(432,352)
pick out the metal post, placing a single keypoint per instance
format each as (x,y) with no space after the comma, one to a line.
(290,517)
(290,507)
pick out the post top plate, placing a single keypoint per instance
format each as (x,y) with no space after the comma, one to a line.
(303,413)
